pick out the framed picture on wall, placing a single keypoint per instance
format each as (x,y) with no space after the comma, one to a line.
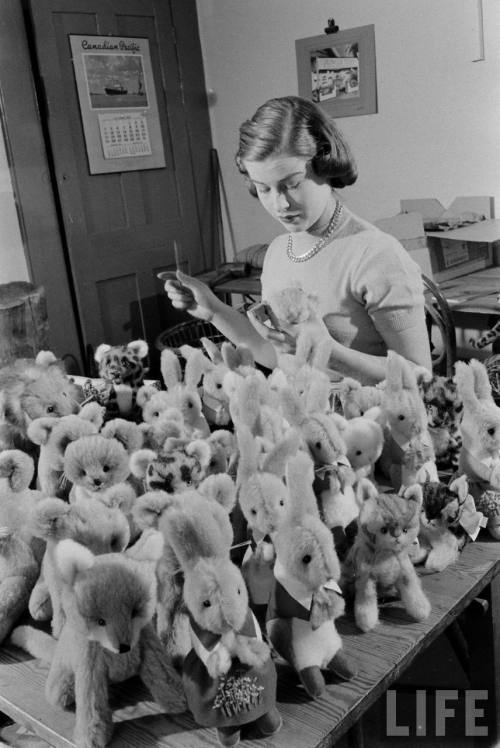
(338,71)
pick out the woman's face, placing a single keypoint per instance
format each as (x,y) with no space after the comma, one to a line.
(291,193)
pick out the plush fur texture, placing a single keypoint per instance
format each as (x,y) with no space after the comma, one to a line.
(364,440)
(306,566)
(93,464)
(109,602)
(90,523)
(263,498)
(19,554)
(356,398)
(480,429)
(53,436)
(408,455)
(379,560)
(123,370)
(216,597)
(444,413)
(446,511)
(182,391)
(29,389)
(180,465)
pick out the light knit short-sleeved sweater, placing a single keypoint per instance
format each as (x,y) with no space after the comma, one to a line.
(365,281)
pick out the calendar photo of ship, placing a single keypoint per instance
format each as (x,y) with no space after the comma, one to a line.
(115,81)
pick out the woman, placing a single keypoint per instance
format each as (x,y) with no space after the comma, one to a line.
(369,290)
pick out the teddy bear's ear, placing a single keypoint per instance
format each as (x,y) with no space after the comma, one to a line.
(460,486)
(148,547)
(170,368)
(45,359)
(72,558)
(245,355)
(139,348)
(299,479)
(17,467)
(144,394)
(212,350)
(220,488)
(126,432)
(40,429)
(120,496)
(482,384)
(377,414)
(197,365)
(340,422)
(101,351)
(94,413)
(200,449)
(349,385)
(149,507)
(365,490)
(276,460)
(194,533)
(413,493)
(230,356)
(140,460)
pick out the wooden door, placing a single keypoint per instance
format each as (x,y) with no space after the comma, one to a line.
(120,227)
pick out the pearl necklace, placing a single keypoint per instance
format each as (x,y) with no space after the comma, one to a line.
(332,225)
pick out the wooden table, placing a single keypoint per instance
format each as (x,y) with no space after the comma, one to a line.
(476,293)
(382,656)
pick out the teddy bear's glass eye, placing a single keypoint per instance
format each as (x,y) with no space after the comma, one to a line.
(361,412)
(401,417)
(219,386)
(155,414)
(253,511)
(105,468)
(405,529)
(383,530)
(306,559)
(282,503)
(239,591)
(101,622)
(50,408)
(206,603)
(358,452)
(318,445)
(491,431)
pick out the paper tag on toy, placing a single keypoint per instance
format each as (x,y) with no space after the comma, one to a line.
(470,519)
(331,584)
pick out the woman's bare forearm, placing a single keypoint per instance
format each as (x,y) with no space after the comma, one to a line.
(237,328)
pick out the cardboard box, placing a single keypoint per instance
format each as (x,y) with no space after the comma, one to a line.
(458,251)
(409,229)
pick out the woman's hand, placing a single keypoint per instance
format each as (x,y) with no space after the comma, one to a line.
(282,341)
(192,295)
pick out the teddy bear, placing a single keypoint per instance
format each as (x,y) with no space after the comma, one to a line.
(263,499)
(379,559)
(408,455)
(109,602)
(29,389)
(356,398)
(480,429)
(53,436)
(448,520)
(91,523)
(182,390)
(306,598)
(93,464)
(229,676)
(310,383)
(444,413)
(122,371)
(20,553)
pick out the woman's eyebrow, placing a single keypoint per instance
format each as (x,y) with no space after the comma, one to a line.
(284,179)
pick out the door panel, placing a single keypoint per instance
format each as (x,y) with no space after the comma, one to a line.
(120,227)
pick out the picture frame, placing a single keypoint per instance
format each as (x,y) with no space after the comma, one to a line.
(338,71)
(118,106)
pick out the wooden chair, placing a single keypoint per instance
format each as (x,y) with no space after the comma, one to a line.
(440,317)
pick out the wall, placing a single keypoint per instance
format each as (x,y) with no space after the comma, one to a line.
(436,130)
(13,265)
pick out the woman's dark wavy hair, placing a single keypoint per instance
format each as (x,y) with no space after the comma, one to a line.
(294,126)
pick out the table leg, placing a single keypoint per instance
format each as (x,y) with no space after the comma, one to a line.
(355,735)
(495,620)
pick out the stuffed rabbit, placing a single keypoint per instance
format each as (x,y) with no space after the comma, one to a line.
(408,455)
(306,597)
(480,429)
(229,676)
(263,498)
